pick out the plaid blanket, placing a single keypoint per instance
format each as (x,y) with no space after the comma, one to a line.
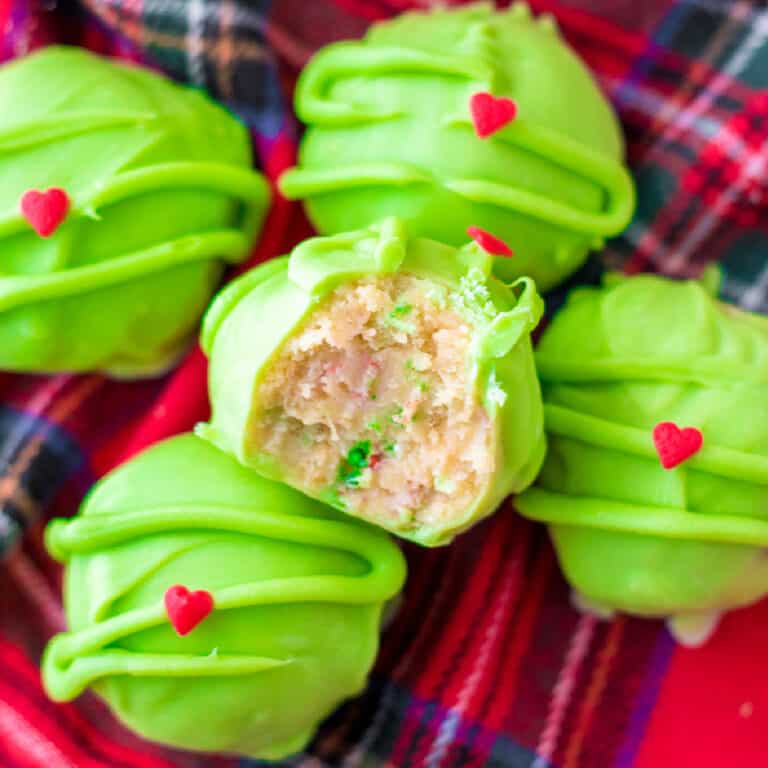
(487,664)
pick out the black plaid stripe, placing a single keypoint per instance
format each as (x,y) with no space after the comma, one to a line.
(36,459)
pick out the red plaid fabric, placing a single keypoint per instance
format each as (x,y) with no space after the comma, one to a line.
(486,664)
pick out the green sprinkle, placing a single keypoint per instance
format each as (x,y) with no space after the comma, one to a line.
(390,449)
(423,386)
(394,319)
(359,454)
(358,459)
(374,426)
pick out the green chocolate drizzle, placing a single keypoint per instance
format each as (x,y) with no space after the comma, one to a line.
(75,660)
(395,319)
(717,460)
(644,520)
(400,310)
(619,359)
(228,244)
(319,104)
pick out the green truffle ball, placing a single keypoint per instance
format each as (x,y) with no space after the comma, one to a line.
(390,377)
(161,196)
(297,594)
(687,542)
(390,133)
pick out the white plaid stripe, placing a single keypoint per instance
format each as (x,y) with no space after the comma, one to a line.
(752,296)
(196,42)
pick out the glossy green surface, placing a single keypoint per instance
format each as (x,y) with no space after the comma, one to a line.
(252,318)
(390,134)
(162,195)
(629,534)
(298,594)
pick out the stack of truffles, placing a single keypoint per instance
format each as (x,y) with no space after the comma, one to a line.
(379,378)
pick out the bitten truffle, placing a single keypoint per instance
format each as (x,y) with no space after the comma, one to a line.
(213,609)
(655,487)
(390,377)
(122,195)
(464,117)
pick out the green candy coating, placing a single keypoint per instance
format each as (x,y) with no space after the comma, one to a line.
(161,197)
(631,535)
(298,594)
(390,134)
(253,317)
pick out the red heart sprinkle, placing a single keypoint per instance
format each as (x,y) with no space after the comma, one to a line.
(490,114)
(675,445)
(187,609)
(45,210)
(489,242)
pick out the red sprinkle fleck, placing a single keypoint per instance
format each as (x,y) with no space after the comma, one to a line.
(374,461)
(675,445)
(491,114)
(187,609)
(45,210)
(489,242)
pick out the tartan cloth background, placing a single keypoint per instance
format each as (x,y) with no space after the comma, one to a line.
(486,664)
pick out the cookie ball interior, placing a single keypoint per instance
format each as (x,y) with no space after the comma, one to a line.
(375,400)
